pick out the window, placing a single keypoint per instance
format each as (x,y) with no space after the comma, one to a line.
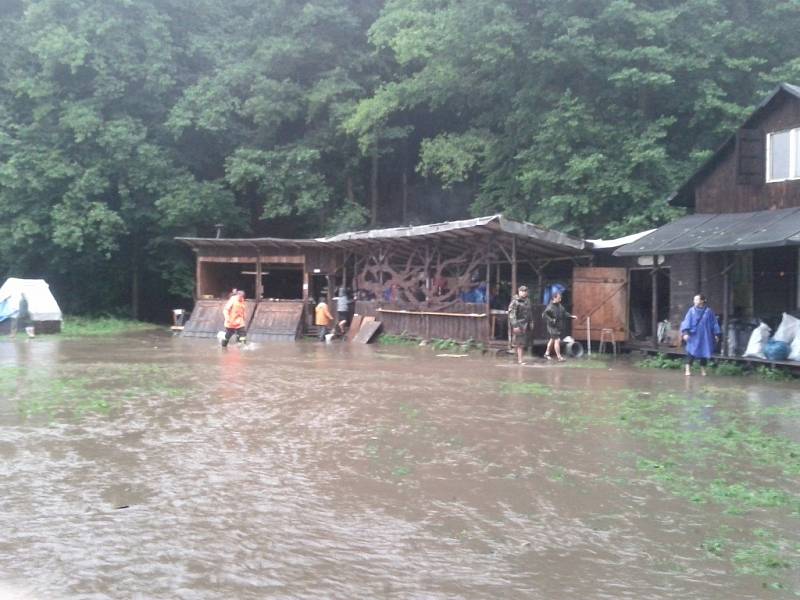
(783,155)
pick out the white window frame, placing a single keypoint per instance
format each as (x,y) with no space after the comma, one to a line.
(794,141)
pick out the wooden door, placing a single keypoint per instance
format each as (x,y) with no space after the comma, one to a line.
(602,294)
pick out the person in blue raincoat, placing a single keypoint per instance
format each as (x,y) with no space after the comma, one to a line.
(700,331)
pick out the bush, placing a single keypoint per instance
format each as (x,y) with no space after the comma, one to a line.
(660,361)
(388,339)
(773,374)
(731,369)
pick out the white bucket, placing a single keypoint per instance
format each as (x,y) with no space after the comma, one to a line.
(31,331)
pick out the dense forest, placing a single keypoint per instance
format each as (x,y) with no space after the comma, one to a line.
(124,123)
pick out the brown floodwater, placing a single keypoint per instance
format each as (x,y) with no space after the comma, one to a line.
(151,467)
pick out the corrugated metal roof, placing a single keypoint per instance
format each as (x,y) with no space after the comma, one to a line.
(719,233)
(529,233)
(600,244)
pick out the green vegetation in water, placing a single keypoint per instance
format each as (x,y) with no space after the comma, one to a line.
(709,446)
(773,374)
(525,389)
(700,450)
(453,346)
(99,326)
(71,392)
(728,368)
(439,345)
(388,339)
(660,361)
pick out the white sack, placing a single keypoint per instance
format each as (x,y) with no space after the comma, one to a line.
(794,353)
(759,337)
(787,330)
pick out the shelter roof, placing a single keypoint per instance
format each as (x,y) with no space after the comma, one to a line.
(719,233)
(546,242)
(617,242)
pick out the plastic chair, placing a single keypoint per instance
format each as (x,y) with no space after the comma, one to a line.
(607,337)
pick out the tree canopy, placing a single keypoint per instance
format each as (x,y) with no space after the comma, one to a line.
(125,123)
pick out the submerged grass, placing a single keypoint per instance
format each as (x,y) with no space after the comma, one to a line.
(388,339)
(68,393)
(438,345)
(660,361)
(710,446)
(99,326)
(722,367)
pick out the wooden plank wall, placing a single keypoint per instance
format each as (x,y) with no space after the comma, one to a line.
(207,319)
(718,190)
(276,321)
(442,326)
(603,293)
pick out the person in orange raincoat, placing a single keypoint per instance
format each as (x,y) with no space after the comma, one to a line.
(323,318)
(234,312)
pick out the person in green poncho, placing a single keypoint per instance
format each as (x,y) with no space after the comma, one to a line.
(556,318)
(520,319)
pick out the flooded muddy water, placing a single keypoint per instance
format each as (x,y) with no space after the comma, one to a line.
(158,467)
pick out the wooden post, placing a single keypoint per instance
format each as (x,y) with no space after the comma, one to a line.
(259,284)
(306,310)
(540,273)
(200,288)
(726,300)
(513,265)
(654,315)
(489,332)
(427,272)
(344,269)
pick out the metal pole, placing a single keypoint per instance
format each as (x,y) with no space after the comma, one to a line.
(589,335)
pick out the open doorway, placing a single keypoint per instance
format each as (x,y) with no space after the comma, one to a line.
(641,301)
(218,279)
(774,283)
(282,283)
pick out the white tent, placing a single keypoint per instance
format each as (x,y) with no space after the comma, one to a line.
(42,307)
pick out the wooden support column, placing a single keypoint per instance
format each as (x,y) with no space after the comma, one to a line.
(344,269)
(513,265)
(259,282)
(427,271)
(654,315)
(200,289)
(306,309)
(540,284)
(726,300)
(487,309)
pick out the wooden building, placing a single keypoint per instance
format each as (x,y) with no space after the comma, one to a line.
(447,280)
(739,244)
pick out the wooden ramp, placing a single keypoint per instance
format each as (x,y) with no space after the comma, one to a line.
(206,319)
(276,321)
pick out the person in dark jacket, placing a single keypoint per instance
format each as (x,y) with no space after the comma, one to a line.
(555,317)
(520,319)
